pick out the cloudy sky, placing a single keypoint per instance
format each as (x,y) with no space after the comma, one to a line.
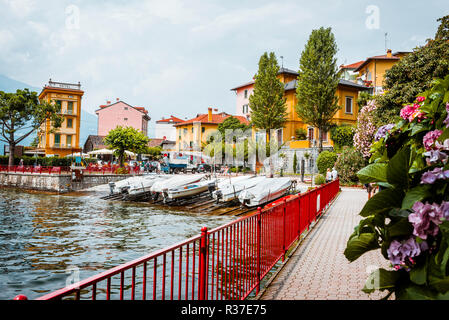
(180,57)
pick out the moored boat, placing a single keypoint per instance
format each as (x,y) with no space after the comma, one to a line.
(231,191)
(190,190)
(265,191)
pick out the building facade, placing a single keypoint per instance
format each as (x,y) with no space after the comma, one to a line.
(192,134)
(165,128)
(122,114)
(372,70)
(347,93)
(62,141)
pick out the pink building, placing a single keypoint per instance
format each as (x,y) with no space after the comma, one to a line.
(121,114)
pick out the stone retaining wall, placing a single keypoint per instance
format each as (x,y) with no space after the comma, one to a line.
(55,182)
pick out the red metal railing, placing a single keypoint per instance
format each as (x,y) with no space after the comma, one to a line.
(67,170)
(35,169)
(228,262)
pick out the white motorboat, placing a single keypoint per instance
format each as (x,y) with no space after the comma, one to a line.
(189,190)
(265,191)
(231,191)
(145,184)
(175,181)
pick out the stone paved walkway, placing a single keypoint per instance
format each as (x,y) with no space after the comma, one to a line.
(318,269)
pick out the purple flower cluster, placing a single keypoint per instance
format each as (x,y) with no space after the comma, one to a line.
(401,254)
(426,219)
(382,131)
(430,177)
(430,138)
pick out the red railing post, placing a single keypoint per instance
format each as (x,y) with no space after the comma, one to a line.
(284,231)
(202,276)
(258,245)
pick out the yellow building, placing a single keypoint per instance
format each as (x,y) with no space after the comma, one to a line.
(347,93)
(372,70)
(193,133)
(64,140)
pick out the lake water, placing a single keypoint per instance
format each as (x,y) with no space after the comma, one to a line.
(42,236)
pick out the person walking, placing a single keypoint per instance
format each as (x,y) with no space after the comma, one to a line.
(334,174)
(328,175)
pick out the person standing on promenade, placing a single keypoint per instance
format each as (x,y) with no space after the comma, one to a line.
(334,174)
(328,175)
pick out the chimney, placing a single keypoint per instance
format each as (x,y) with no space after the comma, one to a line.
(209,115)
(389,53)
(108,102)
(118,99)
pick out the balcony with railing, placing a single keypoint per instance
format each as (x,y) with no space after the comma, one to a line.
(64,85)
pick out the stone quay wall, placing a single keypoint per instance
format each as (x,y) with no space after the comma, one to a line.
(55,182)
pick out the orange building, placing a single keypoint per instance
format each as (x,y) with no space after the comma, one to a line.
(347,93)
(372,70)
(62,141)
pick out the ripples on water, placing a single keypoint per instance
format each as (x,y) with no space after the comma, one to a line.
(42,235)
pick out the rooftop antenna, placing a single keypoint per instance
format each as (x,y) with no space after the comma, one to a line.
(386,35)
(282,61)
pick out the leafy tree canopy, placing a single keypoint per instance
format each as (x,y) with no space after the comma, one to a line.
(22,113)
(318,80)
(126,138)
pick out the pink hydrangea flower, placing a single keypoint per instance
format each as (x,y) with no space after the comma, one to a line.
(408,111)
(420,99)
(430,138)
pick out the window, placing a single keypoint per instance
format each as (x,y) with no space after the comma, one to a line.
(70,107)
(59,104)
(245,108)
(69,123)
(126,108)
(310,134)
(69,141)
(348,105)
(246,94)
(185,131)
(323,136)
(57,139)
(203,129)
(126,119)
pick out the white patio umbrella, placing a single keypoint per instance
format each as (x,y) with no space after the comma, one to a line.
(101,151)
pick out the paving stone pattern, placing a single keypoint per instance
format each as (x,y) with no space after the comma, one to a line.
(318,269)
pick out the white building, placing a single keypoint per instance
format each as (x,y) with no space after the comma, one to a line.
(165,129)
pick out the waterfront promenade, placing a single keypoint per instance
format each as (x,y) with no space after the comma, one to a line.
(318,269)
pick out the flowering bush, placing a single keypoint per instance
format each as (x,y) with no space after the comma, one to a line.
(349,162)
(366,129)
(408,219)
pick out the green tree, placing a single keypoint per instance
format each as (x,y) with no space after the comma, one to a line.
(21,113)
(295,163)
(414,74)
(231,123)
(267,103)
(126,138)
(317,81)
(342,136)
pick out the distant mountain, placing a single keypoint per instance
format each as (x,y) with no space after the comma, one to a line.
(88,120)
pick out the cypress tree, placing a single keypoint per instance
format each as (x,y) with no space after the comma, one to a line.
(267,103)
(317,81)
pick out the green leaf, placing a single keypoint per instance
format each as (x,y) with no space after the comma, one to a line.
(416,194)
(376,172)
(382,201)
(398,167)
(381,279)
(358,245)
(417,128)
(418,275)
(400,228)
(396,212)
(414,292)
